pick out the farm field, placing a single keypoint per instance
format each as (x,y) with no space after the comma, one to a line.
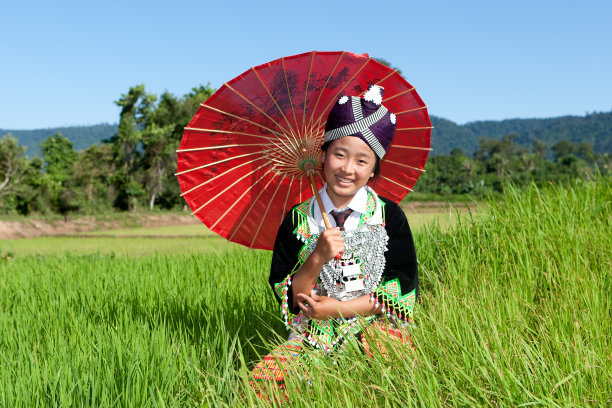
(514,311)
(187,238)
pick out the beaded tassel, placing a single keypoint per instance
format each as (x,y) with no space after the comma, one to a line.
(285,306)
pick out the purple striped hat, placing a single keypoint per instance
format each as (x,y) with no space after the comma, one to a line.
(365,118)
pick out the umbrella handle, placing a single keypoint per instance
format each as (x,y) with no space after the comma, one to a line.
(313,186)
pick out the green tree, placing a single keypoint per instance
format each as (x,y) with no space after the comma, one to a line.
(585,151)
(34,194)
(563,148)
(161,137)
(92,175)
(539,148)
(496,154)
(13,165)
(60,157)
(136,107)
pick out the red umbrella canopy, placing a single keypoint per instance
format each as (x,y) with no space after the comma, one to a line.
(241,160)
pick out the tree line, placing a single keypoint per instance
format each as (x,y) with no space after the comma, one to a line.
(497,162)
(135,168)
(595,128)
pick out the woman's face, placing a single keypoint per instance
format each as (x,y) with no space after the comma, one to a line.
(348,165)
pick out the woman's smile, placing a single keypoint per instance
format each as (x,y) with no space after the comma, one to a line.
(343,180)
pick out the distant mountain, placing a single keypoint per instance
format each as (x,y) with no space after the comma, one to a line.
(81,136)
(595,128)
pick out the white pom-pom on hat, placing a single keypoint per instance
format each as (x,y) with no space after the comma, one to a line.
(373,94)
(393,118)
(343,100)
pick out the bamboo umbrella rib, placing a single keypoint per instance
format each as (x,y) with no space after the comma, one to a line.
(290,154)
(399,94)
(273,141)
(289,172)
(285,159)
(411,110)
(287,196)
(271,96)
(250,208)
(325,86)
(378,82)
(266,212)
(395,182)
(230,132)
(284,163)
(221,175)
(217,162)
(289,134)
(288,91)
(293,138)
(256,107)
(278,161)
(412,128)
(319,134)
(412,147)
(300,196)
(321,178)
(416,128)
(306,92)
(333,100)
(274,132)
(293,142)
(245,192)
(195,149)
(296,144)
(228,187)
(404,165)
(287,152)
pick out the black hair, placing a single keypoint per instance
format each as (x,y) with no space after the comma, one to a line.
(376,171)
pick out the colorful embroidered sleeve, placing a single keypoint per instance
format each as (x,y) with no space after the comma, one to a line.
(288,256)
(399,287)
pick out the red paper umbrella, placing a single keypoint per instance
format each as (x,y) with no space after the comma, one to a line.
(243,158)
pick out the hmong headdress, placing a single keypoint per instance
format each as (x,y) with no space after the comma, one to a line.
(365,118)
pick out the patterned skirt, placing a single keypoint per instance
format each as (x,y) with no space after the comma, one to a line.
(271,372)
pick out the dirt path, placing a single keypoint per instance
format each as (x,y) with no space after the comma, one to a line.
(32,227)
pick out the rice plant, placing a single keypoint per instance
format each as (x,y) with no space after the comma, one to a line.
(515,310)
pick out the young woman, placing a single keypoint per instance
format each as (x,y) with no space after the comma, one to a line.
(335,283)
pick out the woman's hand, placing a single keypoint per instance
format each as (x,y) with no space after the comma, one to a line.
(323,307)
(318,307)
(329,244)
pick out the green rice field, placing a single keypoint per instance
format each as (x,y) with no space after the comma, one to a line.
(515,311)
(175,239)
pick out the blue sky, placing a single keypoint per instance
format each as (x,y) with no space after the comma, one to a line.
(64,63)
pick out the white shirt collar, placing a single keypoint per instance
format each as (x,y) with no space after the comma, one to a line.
(358,202)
